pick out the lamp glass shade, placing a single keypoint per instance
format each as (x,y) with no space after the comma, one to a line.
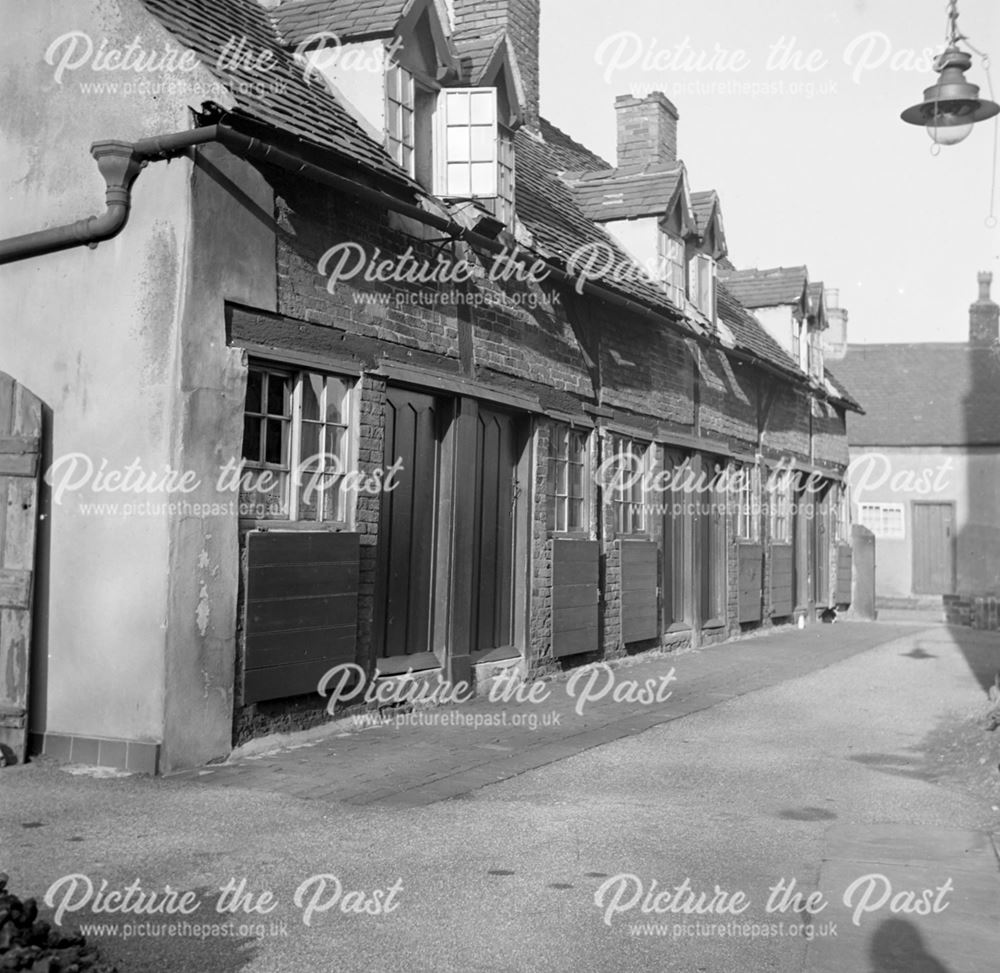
(949,134)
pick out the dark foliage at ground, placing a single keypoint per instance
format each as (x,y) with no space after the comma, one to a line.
(28,943)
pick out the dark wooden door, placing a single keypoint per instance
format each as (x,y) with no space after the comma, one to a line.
(933,549)
(677,530)
(711,534)
(821,549)
(20,449)
(495,480)
(404,583)
(804,545)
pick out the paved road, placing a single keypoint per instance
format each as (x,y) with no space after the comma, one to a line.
(783,776)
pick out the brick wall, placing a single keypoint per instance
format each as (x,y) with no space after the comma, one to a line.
(525,336)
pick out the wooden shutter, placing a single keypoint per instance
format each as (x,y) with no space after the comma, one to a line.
(575,595)
(301,610)
(20,445)
(640,614)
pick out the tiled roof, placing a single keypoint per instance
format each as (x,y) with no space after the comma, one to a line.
(475,53)
(749,332)
(620,194)
(281,97)
(298,20)
(766,288)
(842,391)
(567,153)
(923,394)
(702,204)
(549,210)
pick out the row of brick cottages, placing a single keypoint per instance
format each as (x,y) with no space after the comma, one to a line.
(496,401)
(499,541)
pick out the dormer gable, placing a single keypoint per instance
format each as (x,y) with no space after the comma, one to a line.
(492,62)
(708,218)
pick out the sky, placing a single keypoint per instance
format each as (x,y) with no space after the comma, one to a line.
(790,110)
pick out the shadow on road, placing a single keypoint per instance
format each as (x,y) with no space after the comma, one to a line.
(981,651)
(898,947)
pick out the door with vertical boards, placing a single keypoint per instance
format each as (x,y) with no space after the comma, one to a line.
(20,450)
(933,548)
(405,569)
(495,481)
(821,547)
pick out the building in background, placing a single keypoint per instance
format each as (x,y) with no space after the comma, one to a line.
(926,461)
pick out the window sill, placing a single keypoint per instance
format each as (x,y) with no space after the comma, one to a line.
(292,526)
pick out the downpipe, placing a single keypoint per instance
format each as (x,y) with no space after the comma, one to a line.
(120,164)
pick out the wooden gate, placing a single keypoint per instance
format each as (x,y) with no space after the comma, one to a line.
(404,586)
(20,448)
(933,548)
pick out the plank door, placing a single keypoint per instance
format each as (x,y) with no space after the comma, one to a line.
(404,583)
(495,479)
(20,447)
(821,549)
(933,548)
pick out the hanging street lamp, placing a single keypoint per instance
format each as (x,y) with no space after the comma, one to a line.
(952,106)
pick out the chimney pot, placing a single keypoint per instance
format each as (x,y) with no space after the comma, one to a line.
(984,315)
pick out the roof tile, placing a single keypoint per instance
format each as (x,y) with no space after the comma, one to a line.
(926,394)
(281,97)
(766,288)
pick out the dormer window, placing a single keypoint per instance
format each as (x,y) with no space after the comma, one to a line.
(467,157)
(673,267)
(474,152)
(701,284)
(400,108)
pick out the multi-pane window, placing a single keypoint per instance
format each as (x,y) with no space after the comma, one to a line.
(399,116)
(631,461)
(672,266)
(781,507)
(295,446)
(797,342)
(815,353)
(502,207)
(883,519)
(701,284)
(842,525)
(748,504)
(468,151)
(570,477)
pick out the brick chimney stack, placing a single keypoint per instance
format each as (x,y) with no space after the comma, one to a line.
(520,19)
(984,315)
(647,129)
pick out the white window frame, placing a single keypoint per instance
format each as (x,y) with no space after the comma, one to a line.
(401,117)
(780,508)
(701,284)
(673,267)
(629,501)
(564,459)
(885,520)
(502,206)
(291,471)
(748,505)
(466,149)
(842,524)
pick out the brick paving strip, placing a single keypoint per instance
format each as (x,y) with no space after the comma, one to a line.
(413,766)
(961,933)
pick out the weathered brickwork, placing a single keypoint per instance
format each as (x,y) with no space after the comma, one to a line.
(571,355)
